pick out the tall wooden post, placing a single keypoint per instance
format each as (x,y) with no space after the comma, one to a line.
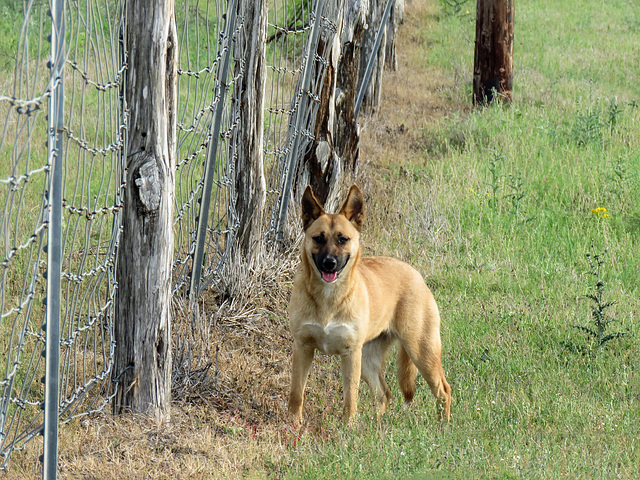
(320,164)
(248,99)
(142,327)
(335,149)
(378,40)
(493,63)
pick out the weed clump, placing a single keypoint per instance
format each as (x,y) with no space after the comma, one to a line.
(598,330)
(516,184)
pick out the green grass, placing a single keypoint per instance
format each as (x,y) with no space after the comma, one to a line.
(498,216)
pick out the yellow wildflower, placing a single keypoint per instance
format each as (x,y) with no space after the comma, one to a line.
(599,210)
(606,215)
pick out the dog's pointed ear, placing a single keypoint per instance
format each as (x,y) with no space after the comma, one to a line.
(353,207)
(311,209)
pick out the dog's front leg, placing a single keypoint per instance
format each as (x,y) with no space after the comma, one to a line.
(301,364)
(351,370)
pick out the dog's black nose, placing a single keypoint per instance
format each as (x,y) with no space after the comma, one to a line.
(329,264)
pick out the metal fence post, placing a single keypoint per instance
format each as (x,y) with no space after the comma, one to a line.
(54,243)
(212,151)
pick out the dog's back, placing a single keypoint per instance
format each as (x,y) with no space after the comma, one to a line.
(396,285)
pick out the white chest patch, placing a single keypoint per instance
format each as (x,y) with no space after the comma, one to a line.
(333,339)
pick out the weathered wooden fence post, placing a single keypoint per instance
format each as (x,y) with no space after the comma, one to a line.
(142,365)
(248,100)
(493,62)
(321,167)
(373,57)
(346,130)
(355,61)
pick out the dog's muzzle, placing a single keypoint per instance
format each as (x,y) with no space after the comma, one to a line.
(330,267)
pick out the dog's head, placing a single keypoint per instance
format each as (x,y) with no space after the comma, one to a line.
(332,241)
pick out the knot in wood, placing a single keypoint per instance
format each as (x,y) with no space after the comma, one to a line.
(149,185)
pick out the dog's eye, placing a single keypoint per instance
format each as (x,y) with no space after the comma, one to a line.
(320,239)
(342,240)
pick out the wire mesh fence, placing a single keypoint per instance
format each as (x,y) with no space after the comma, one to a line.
(207,161)
(208,70)
(89,149)
(286,145)
(205,123)
(90,144)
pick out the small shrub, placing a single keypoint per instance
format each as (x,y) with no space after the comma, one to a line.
(514,190)
(588,127)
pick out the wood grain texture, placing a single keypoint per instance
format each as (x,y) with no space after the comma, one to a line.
(142,366)
(493,59)
(248,100)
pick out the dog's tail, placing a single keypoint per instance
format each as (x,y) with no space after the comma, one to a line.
(407,373)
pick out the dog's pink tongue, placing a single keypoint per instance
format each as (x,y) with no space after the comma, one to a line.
(329,276)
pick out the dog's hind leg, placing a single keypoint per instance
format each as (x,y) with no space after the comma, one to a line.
(441,390)
(426,357)
(407,373)
(425,352)
(373,357)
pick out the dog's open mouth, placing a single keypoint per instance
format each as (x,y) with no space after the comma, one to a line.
(329,277)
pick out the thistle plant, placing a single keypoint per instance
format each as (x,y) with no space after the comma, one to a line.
(598,331)
(614,112)
(496,178)
(588,127)
(514,189)
(517,184)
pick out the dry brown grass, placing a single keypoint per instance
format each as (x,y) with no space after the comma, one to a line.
(233,350)
(413,97)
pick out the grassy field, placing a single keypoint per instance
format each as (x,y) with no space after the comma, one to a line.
(498,208)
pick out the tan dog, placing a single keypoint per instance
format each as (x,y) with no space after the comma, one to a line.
(355,307)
